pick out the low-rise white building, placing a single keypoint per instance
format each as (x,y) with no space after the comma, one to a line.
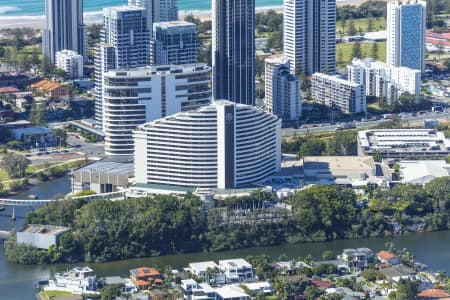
(79,280)
(382,80)
(403,143)
(71,62)
(208,270)
(203,291)
(421,172)
(236,270)
(40,236)
(349,97)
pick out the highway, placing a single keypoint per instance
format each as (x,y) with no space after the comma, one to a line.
(318,128)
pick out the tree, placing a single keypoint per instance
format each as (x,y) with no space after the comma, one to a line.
(312,292)
(406,290)
(340,56)
(61,135)
(38,114)
(111,292)
(374,51)
(351,28)
(369,24)
(47,66)
(356,50)
(15,164)
(312,147)
(328,255)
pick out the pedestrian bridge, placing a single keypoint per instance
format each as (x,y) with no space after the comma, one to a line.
(26,202)
(38,202)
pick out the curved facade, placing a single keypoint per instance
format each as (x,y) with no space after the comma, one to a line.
(134,97)
(223,145)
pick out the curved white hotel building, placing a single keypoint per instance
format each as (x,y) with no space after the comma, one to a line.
(223,145)
(133,97)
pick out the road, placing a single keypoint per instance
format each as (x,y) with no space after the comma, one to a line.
(413,120)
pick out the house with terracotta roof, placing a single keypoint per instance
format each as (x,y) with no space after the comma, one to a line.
(52,90)
(9,90)
(145,277)
(433,294)
(388,258)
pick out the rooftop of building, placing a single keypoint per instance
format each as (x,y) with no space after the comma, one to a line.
(397,271)
(403,139)
(203,265)
(335,79)
(338,162)
(414,171)
(385,255)
(67,52)
(9,89)
(231,291)
(235,263)
(158,70)
(144,271)
(31,131)
(46,85)
(172,24)
(433,294)
(44,229)
(123,8)
(214,105)
(120,165)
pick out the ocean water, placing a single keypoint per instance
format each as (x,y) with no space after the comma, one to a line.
(36,7)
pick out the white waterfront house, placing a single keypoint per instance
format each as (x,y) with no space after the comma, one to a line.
(78,280)
(237,270)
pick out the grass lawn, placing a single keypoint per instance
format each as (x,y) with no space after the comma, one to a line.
(377,25)
(50,295)
(4,175)
(366,47)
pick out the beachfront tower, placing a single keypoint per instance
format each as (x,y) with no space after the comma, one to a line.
(233,50)
(157,10)
(174,42)
(406,27)
(310,36)
(63,29)
(125,43)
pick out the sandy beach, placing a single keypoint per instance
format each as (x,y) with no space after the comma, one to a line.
(96,17)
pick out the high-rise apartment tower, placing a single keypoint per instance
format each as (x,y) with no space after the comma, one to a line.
(233,53)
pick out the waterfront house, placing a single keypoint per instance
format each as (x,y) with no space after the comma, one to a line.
(433,294)
(231,292)
(197,291)
(357,258)
(259,287)
(388,258)
(79,280)
(145,277)
(236,270)
(207,270)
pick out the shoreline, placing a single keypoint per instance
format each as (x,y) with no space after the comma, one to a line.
(95,17)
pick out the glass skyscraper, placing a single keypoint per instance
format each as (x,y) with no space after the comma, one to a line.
(406,30)
(233,53)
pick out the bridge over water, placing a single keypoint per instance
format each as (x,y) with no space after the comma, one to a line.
(38,202)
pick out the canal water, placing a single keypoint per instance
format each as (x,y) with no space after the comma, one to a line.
(16,281)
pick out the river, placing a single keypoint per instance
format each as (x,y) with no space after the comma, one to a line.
(16,281)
